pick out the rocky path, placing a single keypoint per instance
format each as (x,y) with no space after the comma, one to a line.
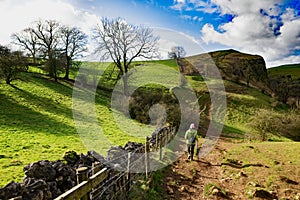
(208,178)
(187,179)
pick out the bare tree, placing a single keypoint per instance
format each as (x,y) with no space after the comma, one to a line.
(177,52)
(48,36)
(74,43)
(28,41)
(123,42)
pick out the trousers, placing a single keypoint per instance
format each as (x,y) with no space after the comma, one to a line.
(191,148)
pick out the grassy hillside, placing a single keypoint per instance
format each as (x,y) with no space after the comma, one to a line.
(36,119)
(284,70)
(36,123)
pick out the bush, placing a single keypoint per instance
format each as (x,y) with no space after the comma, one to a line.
(11,63)
(145,102)
(269,122)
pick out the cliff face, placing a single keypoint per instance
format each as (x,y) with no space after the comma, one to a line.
(233,65)
(241,67)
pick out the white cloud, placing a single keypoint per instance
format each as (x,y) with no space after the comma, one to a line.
(178,6)
(179,1)
(253,32)
(20,14)
(191,18)
(285,60)
(198,5)
(238,7)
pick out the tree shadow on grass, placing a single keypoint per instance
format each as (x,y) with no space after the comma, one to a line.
(65,87)
(232,133)
(16,116)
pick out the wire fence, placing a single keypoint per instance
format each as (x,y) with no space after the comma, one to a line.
(105,181)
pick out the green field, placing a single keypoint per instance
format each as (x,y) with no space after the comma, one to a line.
(36,118)
(279,163)
(284,70)
(36,123)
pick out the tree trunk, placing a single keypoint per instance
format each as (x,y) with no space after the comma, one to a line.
(51,63)
(34,61)
(8,80)
(50,68)
(66,77)
(125,84)
(67,69)
(55,72)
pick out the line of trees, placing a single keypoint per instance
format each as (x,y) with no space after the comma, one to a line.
(55,43)
(59,45)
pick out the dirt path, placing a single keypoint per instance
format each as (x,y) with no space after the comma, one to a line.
(217,177)
(187,180)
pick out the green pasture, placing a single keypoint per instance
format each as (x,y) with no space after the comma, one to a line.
(284,70)
(37,122)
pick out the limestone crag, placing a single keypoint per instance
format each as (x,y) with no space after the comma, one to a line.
(231,65)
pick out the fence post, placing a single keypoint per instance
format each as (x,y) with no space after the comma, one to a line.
(127,179)
(95,167)
(169,135)
(82,175)
(156,140)
(147,157)
(160,144)
(173,133)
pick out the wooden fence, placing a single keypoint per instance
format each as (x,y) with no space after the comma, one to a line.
(108,183)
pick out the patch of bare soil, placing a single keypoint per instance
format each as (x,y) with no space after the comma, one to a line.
(208,178)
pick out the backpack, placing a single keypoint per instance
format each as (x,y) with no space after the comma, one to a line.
(193,138)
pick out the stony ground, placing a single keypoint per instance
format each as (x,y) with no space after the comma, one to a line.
(213,178)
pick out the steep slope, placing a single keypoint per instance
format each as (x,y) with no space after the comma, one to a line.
(233,65)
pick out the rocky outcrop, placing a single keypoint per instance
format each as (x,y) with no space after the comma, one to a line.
(241,67)
(233,65)
(245,69)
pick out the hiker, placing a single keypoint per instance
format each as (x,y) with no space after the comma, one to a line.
(191,138)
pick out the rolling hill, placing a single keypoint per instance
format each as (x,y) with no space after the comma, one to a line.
(36,120)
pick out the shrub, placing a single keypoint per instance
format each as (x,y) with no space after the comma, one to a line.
(269,122)
(146,100)
(11,63)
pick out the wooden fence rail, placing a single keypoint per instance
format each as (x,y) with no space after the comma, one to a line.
(81,190)
(108,184)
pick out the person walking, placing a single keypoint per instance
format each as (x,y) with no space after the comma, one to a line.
(191,138)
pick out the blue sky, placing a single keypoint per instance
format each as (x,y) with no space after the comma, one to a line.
(270,28)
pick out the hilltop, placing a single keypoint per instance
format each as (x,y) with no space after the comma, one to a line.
(233,65)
